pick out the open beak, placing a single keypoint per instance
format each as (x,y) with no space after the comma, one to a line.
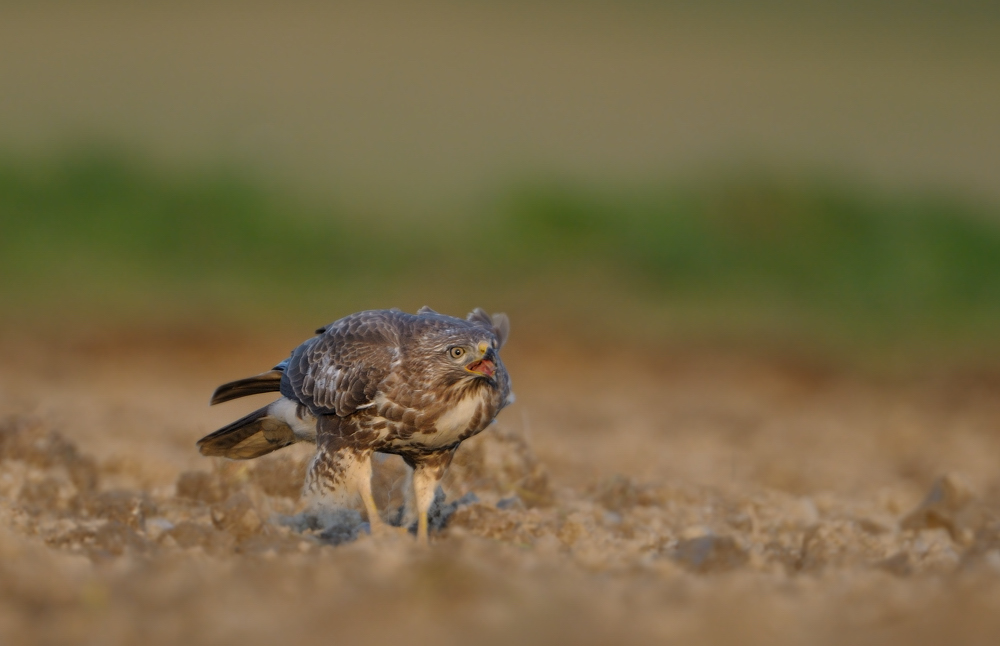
(486,366)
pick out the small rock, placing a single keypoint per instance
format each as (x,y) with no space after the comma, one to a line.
(898,564)
(200,486)
(237,516)
(621,492)
(694,531)
(155,528)
(612,518)
(116,538)
(44,494)
(126,507)
(948,505)
(710,553)
(486,520)
(741,521)
(573,529)
(872,527)
(191,535)
(514,502)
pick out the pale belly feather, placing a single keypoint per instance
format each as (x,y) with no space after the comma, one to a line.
(455,421)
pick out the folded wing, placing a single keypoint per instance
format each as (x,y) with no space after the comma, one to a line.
(340,371)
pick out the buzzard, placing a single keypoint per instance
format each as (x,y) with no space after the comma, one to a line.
(415,385)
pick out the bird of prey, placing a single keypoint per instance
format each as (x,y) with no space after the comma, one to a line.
(415,385)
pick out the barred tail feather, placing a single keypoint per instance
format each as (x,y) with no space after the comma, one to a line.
(248,437)
(268,382)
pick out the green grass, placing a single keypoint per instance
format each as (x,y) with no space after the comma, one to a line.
(94,234)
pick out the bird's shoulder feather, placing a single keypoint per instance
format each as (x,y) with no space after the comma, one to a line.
(339,371)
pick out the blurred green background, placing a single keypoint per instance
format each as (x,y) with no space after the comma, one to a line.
(815,173)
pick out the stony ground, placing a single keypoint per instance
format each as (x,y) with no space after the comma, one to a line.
(686,496)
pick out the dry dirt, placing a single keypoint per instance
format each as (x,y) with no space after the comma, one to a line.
(684,496)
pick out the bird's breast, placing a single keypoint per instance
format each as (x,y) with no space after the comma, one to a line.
(455,421)
(433,425)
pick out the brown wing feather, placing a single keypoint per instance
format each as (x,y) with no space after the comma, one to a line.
(340,370)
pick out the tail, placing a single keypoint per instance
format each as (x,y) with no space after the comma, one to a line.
(248,437)
(268,382)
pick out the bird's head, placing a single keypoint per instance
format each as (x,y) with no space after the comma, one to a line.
(478,358)
(462,354)
(463,351)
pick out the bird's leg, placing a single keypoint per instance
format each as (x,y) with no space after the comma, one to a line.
(364,486)
(427,473)
(338,474)
(424,485)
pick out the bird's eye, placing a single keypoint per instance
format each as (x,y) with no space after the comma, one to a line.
(457,353)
